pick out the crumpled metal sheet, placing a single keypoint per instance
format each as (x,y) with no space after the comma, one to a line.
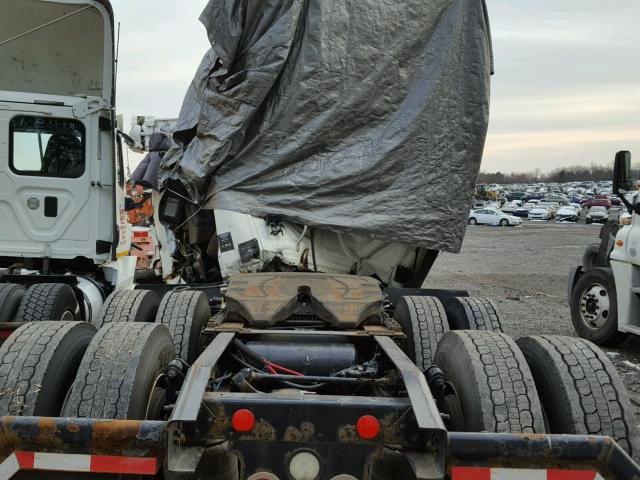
(359,116)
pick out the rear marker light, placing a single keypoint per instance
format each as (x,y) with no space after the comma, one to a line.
(368,427)
(243,421)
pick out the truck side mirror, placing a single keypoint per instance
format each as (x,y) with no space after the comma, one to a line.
(621,173)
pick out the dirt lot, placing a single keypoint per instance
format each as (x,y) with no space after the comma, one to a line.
(525,270)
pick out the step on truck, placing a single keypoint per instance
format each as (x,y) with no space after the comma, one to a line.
(273,347)
(604,291)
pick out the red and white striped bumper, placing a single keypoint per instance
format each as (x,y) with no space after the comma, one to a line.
(479,473)
(63,462)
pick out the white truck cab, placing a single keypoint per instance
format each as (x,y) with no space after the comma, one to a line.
(604,292)
(62,207)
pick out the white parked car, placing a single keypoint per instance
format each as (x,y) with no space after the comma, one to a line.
(492,216)
(509,207)
(539,213)
(597,215)
(567,214)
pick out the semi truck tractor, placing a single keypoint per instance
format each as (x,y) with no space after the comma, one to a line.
(603,290)
(294,332)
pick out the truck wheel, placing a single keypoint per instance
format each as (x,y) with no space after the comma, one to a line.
(422,319)
(580,390)
(473,313)
(38,363)
(590,257)
(185,314)
(594,308)
(120,375)
(128,306)
(10,296)
(492,387)
(48,301)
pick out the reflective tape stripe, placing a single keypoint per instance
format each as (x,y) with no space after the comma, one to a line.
(573,475)
(25,459)
(470,473)
(130,465)
(62,462)
(483,473)
(9,467)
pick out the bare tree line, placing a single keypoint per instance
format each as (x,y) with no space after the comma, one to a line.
(575,173)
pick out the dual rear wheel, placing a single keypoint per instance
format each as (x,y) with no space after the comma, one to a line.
(552,384)
(69,368)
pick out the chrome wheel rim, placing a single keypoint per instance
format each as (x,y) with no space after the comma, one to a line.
(595,306)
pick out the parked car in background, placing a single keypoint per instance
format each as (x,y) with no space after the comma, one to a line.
(578,208)
(597,214)
(522,211)
(615,201)
(557,197)
(551,206)
(509,207)
(492,216)
(516,196)
(596,202)
(539,213)
(567,214)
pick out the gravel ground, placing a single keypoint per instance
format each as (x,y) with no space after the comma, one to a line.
(525,270)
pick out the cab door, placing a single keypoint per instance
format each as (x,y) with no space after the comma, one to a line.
(46,206)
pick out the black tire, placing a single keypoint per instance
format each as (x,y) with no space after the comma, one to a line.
(504,222)
(493,385)
(472,221)
(590,257)
(185,314)
(48,302)
(594,308)
(38,363)
(128,306)
(11,295)
(118,373)
(473,313)
(580,390)
(422,319)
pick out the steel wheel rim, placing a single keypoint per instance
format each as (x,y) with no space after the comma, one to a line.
(595,306)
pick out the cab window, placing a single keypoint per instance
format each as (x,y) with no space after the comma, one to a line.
(46,147)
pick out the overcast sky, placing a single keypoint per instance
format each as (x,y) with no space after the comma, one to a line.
(566,89)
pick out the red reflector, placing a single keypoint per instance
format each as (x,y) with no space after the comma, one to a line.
(243,421)
(368,427)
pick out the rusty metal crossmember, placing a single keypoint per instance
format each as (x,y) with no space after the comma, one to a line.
(82,435)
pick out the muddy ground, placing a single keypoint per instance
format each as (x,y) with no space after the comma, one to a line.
(525,270)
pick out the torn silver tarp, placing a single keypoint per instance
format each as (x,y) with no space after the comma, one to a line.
(359,116)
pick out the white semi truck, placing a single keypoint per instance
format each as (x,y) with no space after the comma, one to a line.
(267,349)
(604,292)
